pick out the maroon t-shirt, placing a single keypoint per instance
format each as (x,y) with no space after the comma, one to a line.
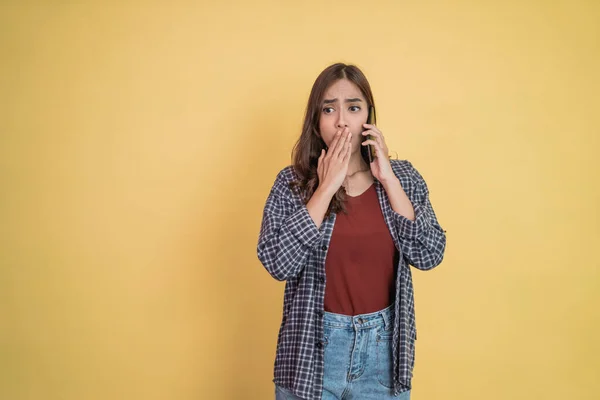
(361,261)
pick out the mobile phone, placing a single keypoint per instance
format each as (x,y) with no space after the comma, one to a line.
(368,151)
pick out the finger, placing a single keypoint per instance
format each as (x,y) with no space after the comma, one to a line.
(372,132)
(341,143)
(334,143)
(371,142)
(378,149)
(320,162)
(348,153)
(377,136)
(347,136)
(372,126)
(368,141)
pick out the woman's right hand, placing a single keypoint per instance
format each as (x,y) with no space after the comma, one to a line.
(332,165)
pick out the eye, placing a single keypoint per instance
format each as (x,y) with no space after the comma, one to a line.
(357,107)
(327,108)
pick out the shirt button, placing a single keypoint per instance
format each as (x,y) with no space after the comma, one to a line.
(320,313)
(324,248)
(322,279)
(319,345)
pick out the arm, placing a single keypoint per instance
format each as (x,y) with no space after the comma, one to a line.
(422,239)
(287,234)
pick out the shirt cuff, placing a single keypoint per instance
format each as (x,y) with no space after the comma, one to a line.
(408,229)
(302,226)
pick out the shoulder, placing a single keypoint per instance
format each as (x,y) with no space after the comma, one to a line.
(405,170)
(287,173)
(401,167)
(284,177)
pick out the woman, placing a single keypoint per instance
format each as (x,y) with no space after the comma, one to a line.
(342,232)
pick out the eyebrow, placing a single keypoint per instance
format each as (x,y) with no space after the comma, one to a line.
(328,101)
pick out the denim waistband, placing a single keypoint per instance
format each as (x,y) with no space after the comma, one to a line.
(383,317)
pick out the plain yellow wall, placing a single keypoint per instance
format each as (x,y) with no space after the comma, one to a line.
(139,142)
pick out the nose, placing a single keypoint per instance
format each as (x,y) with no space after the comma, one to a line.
(341,122)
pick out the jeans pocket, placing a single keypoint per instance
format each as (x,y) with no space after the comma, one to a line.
(327,331)
(384,357)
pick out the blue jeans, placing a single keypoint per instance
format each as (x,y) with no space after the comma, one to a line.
(358,358)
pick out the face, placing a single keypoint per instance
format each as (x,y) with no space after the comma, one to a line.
(343,105)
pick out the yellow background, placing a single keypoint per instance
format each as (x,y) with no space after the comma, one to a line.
(139,142)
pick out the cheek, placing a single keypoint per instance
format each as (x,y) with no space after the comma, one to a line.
(327,136)
(356,137)
(328,139)
(356,142)
(327,129)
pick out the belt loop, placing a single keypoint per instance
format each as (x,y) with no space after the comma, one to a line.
(387,323)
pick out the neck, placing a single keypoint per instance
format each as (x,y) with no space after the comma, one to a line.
(357,164)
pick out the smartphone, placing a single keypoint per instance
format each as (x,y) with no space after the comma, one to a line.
(368,151)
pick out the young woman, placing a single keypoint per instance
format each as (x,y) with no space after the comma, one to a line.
(342,232)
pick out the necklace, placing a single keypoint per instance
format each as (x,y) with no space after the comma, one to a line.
(346,180)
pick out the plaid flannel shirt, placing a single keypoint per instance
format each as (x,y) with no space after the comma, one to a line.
(293,249)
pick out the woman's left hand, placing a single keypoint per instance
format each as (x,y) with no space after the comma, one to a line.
(380,167)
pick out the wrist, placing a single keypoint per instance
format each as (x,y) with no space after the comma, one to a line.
(390,182)
(324,192)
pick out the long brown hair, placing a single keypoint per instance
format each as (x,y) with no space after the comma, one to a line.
(307,149)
